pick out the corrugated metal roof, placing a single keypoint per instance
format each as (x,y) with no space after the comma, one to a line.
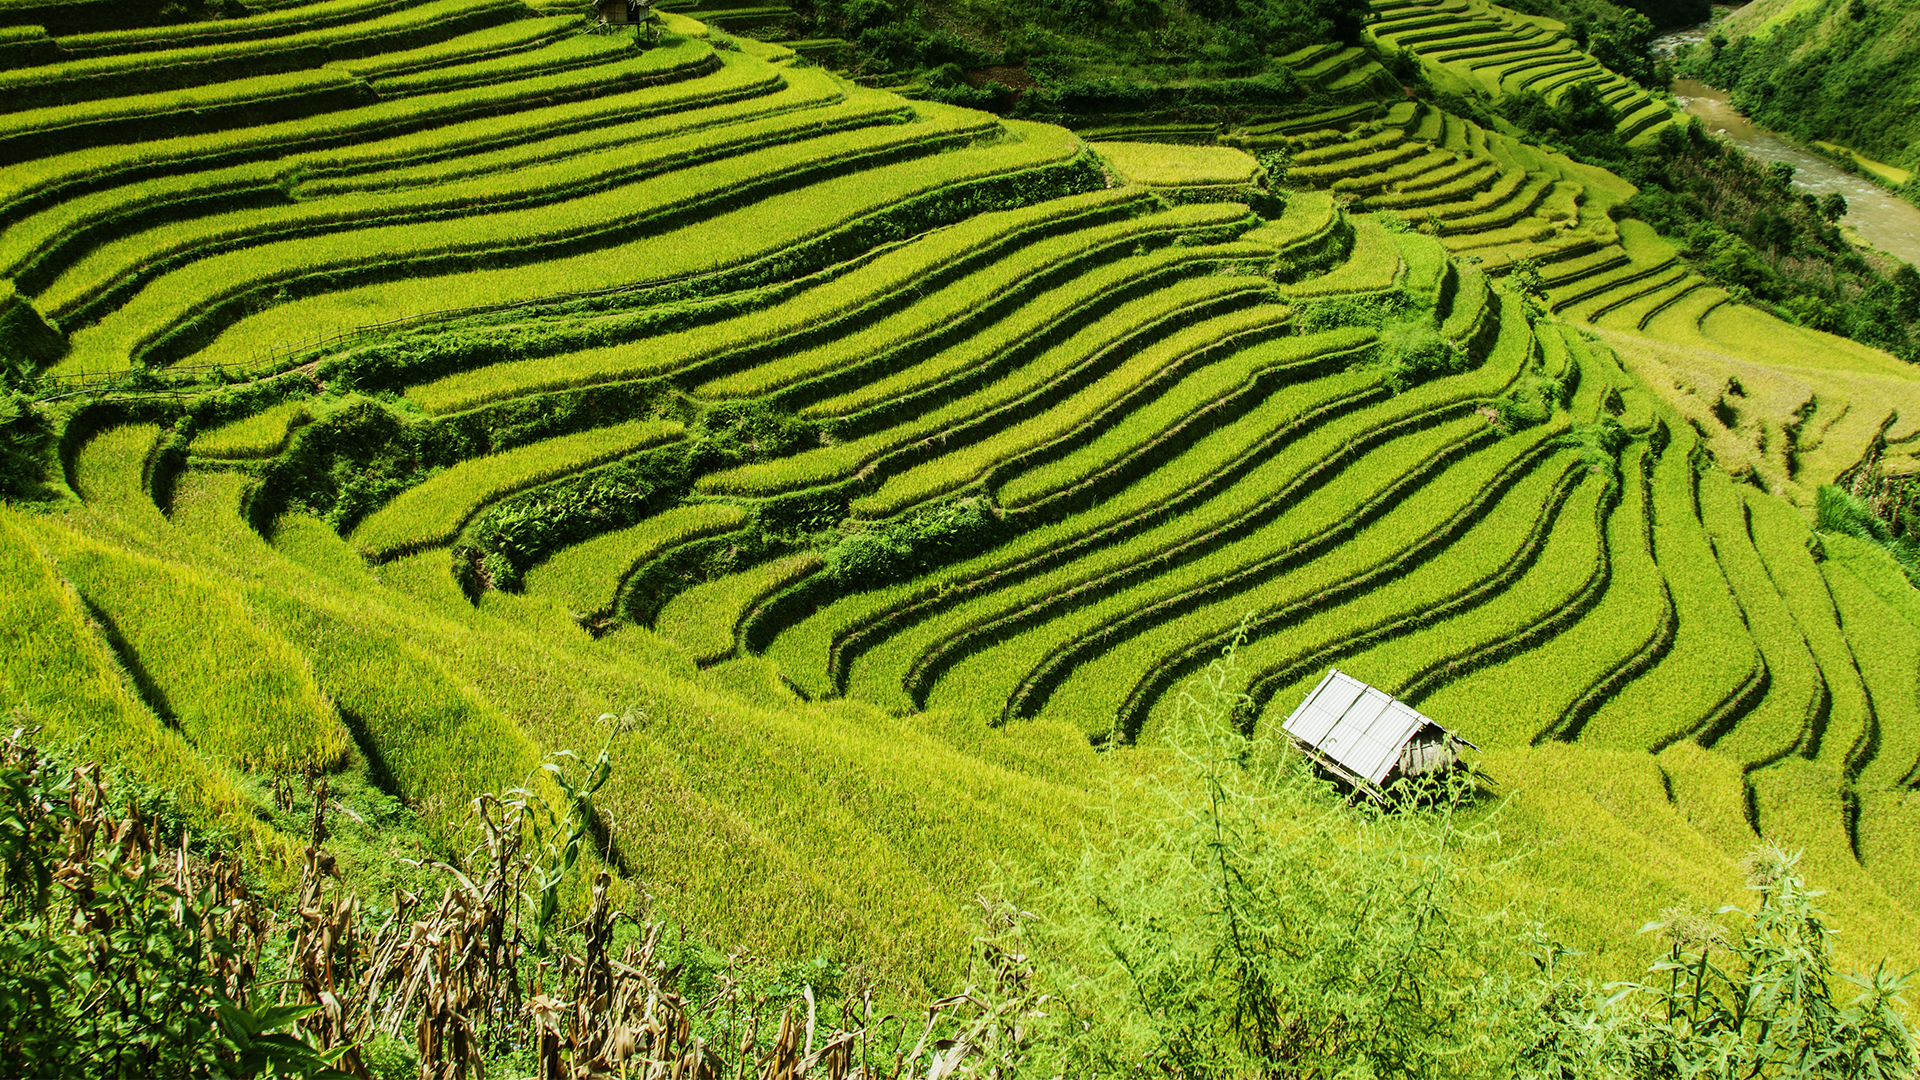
(1356,725)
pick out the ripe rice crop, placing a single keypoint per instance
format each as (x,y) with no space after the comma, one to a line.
(1712,660)
(768,226)
(433,511)
(570,52)
(586,577)
(506,37)
(1008,276)
(1372,267)
(242,696)
(1115,687)
(120,75)
(595,178)
(233,145)
(823,305)
(1783,719)
(1124,382)
(263,434)
(702,619)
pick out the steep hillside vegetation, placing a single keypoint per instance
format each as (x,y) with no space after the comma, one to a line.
(870,474)
(1842,71)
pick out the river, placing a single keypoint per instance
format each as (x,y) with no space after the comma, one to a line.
(1880,218)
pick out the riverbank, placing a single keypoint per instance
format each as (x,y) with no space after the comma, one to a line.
(1880,218)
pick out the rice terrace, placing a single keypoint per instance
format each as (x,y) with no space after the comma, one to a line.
(859,489)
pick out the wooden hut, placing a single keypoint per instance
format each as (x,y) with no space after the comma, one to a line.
(1368,738)
(624,12)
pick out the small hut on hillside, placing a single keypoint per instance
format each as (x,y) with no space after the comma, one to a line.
(1368,738)
(624,12)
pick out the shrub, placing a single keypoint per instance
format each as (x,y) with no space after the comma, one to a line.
(904,548)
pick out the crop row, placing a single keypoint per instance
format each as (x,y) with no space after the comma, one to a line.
(702,620)
(112,270)
(1709,671)
(1372,267)
(780,237)
(975,299)
(1872,597)
(125,75)
(578,50)
(805,88)
(1027,618)
(1783,721)
(1321,525)
(823,309)
(909,395)
(262,434)
(35,132)
(1063,365)
(1324,429)
(253,27)
(1123,387)
(819,648)
(586,577)
(1211,396)
(433,511)
(490,115)
(182,308)
(505,38)
(1360,633)
(39,246)
(1118,671)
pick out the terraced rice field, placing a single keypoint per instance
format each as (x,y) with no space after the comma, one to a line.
(647,368)
(1473,46)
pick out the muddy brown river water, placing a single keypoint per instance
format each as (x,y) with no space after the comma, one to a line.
(1879,217)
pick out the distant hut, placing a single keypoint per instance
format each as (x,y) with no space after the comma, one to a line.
(624,12)
(1368,738)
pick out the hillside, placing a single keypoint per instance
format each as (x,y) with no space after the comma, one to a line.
(434,387)
(1824,70)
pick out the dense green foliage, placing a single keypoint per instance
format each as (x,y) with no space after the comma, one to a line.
(1842,71)
(115,959)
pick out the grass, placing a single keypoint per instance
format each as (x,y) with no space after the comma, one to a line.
(432,512)
(1145,315)
(1132,378)
(1172,165)
(1713,659)
(586,577)
(702,619)
(844,296)
(260,435)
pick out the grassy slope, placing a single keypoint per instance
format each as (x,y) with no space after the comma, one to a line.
(1812,68)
